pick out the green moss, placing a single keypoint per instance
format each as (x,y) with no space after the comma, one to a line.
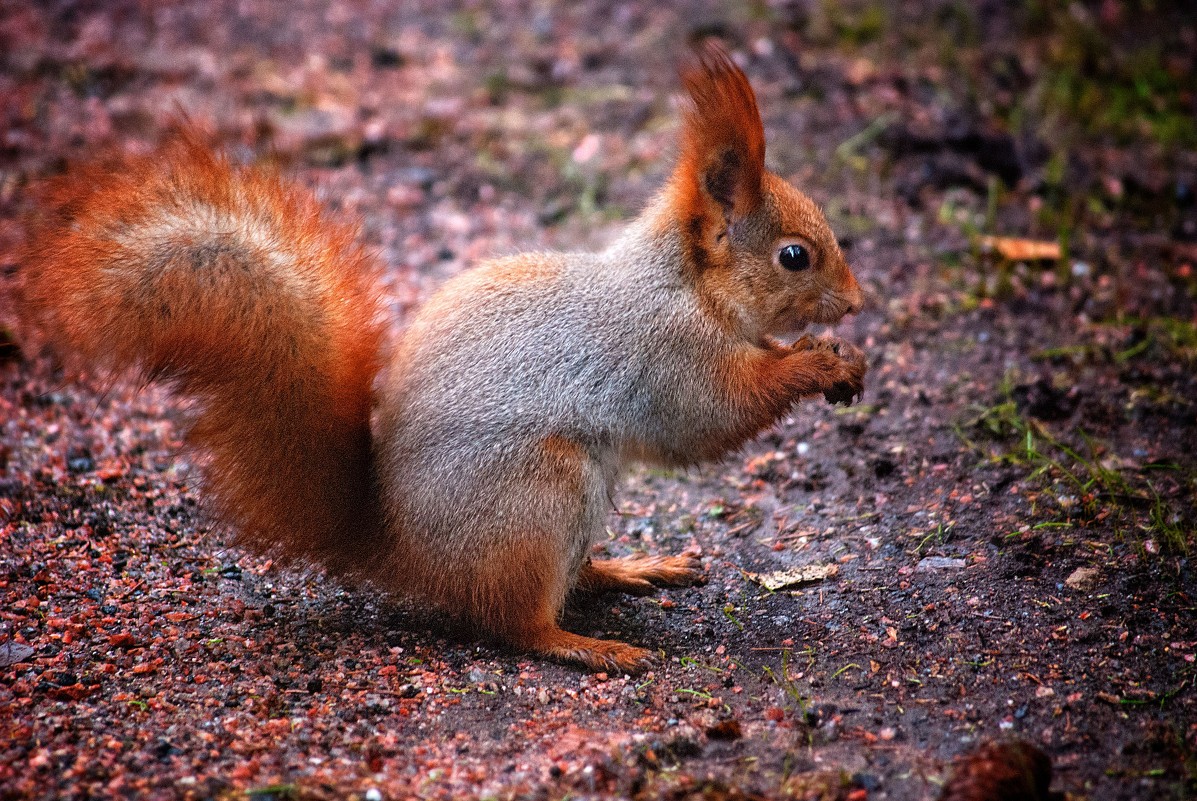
(1127,93)
(850,24)
(1079,478)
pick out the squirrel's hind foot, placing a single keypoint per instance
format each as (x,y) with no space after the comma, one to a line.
(641,575)
(599,655)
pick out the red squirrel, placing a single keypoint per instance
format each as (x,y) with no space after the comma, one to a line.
(476,476)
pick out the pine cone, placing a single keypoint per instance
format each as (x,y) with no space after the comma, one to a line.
(1013,771)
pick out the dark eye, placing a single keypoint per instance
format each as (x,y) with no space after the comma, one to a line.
(794,258)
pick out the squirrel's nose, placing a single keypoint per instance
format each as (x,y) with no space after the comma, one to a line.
(854,295)
(855,301)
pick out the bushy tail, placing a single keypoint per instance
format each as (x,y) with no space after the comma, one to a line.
(232,285)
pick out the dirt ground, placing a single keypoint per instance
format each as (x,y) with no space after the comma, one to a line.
(1004,525)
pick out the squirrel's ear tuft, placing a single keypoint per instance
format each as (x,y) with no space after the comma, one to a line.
(723,142)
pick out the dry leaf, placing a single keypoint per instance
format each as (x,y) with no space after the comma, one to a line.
(781,579)
(941,563)
(13,652)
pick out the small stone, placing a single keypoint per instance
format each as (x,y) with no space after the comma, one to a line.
(1082,578)
(122,640)
(728,729)
(866,781)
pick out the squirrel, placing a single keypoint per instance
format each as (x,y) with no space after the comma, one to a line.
(467,462)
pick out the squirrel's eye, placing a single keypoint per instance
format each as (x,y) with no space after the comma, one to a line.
(794,258)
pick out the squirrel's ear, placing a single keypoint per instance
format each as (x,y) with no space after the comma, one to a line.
(723,142)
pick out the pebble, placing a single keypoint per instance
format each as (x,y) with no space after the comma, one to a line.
(1082,578)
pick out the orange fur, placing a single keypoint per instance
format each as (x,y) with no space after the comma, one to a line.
(551,640)
(144,262)
(638,575)
(723,141)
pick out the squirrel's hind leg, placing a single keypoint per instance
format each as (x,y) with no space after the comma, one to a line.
(518,591)
(640,575)
(518,599)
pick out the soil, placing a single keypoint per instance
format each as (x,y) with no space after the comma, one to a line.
(1009,512)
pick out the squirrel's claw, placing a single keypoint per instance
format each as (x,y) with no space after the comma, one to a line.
(842,393)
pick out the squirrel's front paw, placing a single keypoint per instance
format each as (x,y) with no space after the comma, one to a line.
(846,381)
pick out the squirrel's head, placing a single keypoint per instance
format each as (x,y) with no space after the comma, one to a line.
(755,246)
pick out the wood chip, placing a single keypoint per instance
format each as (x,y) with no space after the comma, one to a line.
(1022,249)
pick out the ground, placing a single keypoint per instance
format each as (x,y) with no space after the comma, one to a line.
(1000,532)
